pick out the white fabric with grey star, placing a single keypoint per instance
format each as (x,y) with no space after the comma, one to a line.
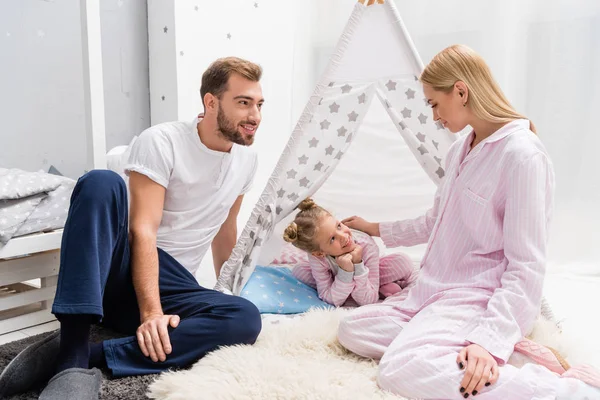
(32,202)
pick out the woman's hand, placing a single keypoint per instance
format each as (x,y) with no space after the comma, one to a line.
(358,223)
(481,369)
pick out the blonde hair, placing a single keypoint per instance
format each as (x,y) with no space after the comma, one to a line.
(461,63)
(302,231)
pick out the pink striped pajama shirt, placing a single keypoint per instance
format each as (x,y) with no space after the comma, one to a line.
(481,276)
(335,286)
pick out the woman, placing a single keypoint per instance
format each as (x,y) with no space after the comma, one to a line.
(481,279)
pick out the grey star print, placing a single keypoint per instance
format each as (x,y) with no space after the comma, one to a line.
(436,144)
(438,160)
(421,137)
(349,138)
(303,159)
(325,124)
(318,166)
(352,116)
(439,125)
(280,193)
(333,108)
(346,88)
(342,131)
(329,150)
(440,172)
(291,174)
(304,182)
(293,197)
(410,94)
(313,142)
(391,85)
(406,113)
(422,118)
(362,98)
(402,125)
(339,155)
(422,149)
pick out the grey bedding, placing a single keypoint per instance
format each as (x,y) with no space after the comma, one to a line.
(32,202)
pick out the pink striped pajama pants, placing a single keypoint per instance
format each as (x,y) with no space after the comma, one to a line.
(417,349)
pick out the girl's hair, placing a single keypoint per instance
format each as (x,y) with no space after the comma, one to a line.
(461,63)
(301,232)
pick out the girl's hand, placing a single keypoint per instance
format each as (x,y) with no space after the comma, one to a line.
(356,254)
(358,223)
(345,262)
(481,369)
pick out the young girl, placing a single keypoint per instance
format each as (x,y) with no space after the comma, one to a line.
(343,264)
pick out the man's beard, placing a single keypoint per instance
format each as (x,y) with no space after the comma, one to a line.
(228,130)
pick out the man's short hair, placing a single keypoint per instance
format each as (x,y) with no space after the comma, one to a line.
(215,78)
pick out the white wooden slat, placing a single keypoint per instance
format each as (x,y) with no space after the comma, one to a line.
(25,321)
(93,83)
(36,266)
(33,243)
(27,297)
(46,282)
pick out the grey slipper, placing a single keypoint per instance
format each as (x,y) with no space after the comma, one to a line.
(32,367)
(74,383)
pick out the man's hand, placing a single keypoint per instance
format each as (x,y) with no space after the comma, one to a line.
(345,262)
(481,369)
(356,254)
(153,336)
(358,223)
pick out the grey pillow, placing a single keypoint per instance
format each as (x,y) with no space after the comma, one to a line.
(52,211)
(14,212)
(17,184)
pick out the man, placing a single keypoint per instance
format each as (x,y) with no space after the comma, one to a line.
(134,273)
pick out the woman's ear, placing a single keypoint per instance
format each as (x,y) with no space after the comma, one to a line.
(462,90)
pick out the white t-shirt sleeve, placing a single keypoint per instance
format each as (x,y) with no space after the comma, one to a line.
(152,155)
(252,175)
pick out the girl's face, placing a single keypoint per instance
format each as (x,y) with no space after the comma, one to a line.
(333,237)
(448,108)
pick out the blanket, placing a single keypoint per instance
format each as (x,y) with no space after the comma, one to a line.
(32,202)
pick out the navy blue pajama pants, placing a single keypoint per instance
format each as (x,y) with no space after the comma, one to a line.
(95,279)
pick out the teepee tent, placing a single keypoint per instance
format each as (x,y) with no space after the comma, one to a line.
(365,144)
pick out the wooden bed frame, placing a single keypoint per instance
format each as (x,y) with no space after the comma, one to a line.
(36,258)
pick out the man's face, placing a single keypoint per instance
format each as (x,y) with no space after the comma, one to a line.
(239,111)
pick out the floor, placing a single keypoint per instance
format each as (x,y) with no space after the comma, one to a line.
(32,331)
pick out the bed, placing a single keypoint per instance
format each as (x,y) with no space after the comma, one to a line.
(29,262)
(28,274)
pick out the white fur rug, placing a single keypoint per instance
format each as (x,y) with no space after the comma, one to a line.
(298,358)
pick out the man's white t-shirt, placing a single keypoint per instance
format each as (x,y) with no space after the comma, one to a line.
(201,185)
